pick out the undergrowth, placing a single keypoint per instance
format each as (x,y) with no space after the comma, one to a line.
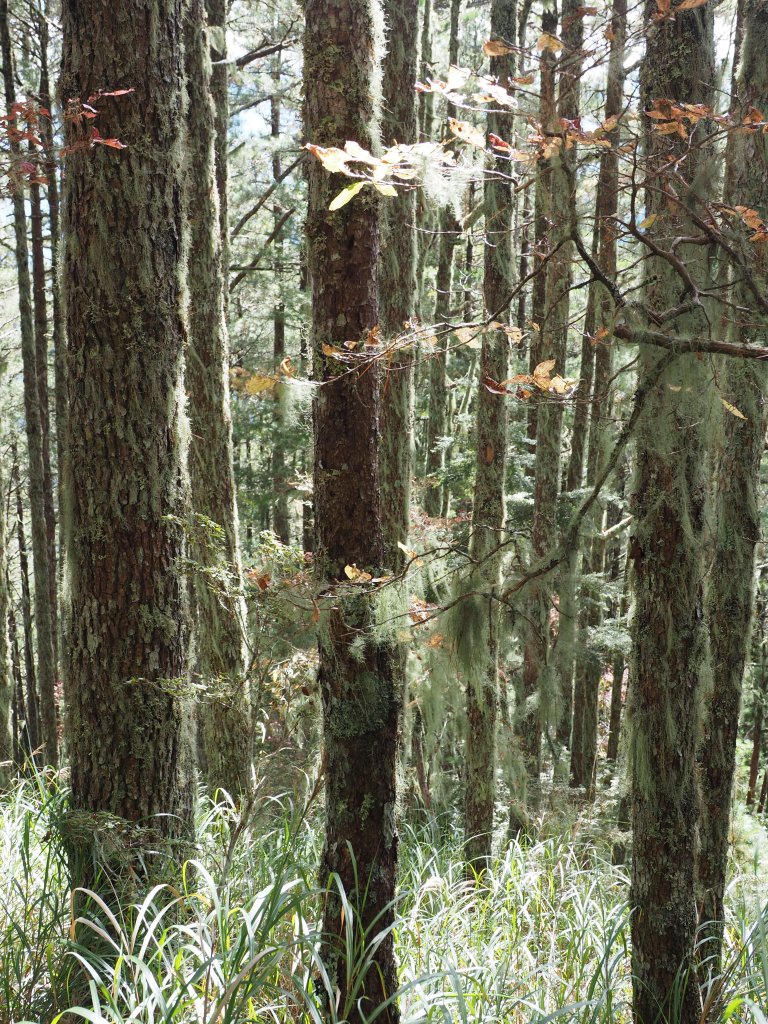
(234,938)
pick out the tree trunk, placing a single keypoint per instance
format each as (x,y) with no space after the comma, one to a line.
(398,297)
(127,640)
(589,665)
(216,11)
(32,704)
(6,678)
(46,672)
(224,716)
(667,548)
(737,519)
(359,682)
(488,510)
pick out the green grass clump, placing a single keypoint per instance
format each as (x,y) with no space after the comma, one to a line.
(235,937)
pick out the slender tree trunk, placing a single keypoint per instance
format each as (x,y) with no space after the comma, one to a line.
(398,297)
(488,513)
(589,665)
(224,716)
(59,343)
(449,236)
(737,518)
(6,678)
(667,548)
(217,21)
(124,266)
(46,672)
(32,702)
(763,793)
(760,693)
(40,306)
(359,681)
(542,671)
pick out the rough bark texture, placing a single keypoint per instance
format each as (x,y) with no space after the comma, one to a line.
(667,548)
(217,20)
(436,497)
(223,717)
(46,673)
(488,511)
(127,633)
(359,681)
(31,702)
(6,679)
(398,296)
(557,181)
(736,514)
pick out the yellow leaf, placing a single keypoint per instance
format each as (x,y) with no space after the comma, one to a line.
(496,48)
(333,160)
(544,369)
(649,222)
(384,189)
(733,410)
(549,42)
(329,350)
(258,383)
(346,194)
(356,575)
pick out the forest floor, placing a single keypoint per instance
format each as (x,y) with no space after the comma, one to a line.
(543,936)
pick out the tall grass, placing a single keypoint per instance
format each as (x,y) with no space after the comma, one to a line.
(543,936)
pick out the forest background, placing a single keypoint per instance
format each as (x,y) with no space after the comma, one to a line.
(382,604)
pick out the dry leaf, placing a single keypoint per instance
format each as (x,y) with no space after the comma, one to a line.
(732,409)
(496,48)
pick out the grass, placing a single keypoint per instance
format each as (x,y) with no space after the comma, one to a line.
(544,936)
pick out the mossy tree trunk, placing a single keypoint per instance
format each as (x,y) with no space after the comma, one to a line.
(669,652)
(359,681)
(31,702)
(46,671)
(127,639)
(398,295)
(589,664)
(224,714)
(448,238)
(488,511)
(557,196)
(6,677)
(736,514)
(760,691)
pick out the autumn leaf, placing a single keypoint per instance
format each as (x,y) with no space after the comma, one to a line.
(384,188)
(648,222)
(496,48)
(547,41)
(258,384)
(346,195)
(494,387)
(331,352)
(356,575)
(499,143)
(689,5)
(286,367)
(733,410)
(467,132)
(334,160)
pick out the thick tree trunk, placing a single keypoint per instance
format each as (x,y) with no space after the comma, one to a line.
(46,671)
(359,681)
(667,547)
(737,520)
(488,511)
(124,268)
(223,717)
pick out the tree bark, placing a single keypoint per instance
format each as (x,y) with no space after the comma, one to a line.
(667,548)
(124,268)
(488,509)
(224,715)
(359,682)
(736,516)
(46,671)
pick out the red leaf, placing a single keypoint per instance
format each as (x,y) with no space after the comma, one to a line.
(499,143)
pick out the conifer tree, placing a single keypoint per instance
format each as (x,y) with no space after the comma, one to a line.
(127,638)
